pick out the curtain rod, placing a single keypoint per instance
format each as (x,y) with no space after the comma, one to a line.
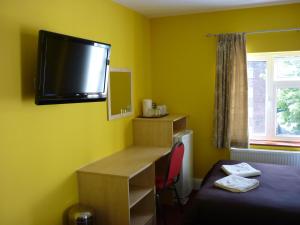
(258,32)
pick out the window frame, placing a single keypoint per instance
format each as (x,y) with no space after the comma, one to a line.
(272,85)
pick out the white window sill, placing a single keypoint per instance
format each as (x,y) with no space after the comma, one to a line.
(293,144)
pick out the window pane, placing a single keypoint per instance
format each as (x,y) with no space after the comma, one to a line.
(257,71)
(287,67)
(288,112)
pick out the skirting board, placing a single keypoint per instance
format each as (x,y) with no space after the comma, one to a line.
(197,183)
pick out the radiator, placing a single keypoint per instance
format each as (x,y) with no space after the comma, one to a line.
(290,158)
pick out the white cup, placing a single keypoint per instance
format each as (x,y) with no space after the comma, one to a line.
(147,108)
(162,109)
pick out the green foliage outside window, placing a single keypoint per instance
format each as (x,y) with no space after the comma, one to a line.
(288,109)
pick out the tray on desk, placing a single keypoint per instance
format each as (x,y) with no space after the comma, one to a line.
(153,116)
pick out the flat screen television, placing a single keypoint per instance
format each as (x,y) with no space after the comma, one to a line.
(71,69)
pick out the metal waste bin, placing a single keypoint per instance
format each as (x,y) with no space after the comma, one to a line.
(80,215)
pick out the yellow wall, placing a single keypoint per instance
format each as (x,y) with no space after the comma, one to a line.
(42,146)
(183,63)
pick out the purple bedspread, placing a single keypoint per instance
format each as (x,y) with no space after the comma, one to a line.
(276,201)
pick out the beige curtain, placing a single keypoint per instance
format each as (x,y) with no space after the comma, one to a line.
(231,98)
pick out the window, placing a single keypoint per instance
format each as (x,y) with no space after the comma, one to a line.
(274,96)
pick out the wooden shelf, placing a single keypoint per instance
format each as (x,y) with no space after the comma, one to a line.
(136,193)
(179,125)
(143,213)
(142,219)
(177,132)
(157,131)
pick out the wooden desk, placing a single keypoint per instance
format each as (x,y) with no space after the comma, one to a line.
(121,187)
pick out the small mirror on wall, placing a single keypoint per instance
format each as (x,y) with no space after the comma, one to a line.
(119,93)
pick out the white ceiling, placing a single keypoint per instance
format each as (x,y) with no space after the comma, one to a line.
(158,8)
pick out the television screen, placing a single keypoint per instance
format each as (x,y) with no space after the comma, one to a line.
(71,69)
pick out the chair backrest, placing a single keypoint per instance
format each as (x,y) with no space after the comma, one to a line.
(175,161)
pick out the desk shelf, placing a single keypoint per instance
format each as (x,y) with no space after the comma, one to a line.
(158,131)
(137,193)
(143,213)
(179,125)
(141,184)
(142,220)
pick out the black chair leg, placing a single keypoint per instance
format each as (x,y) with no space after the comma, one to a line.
(160,210)
(177,198)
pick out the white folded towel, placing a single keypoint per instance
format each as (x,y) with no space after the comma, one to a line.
(241,169)
(235,183)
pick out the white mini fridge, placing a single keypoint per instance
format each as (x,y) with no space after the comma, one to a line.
(185,183)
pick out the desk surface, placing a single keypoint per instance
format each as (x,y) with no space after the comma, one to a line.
(128,162)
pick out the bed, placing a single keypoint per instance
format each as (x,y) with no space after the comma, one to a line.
(276,201)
